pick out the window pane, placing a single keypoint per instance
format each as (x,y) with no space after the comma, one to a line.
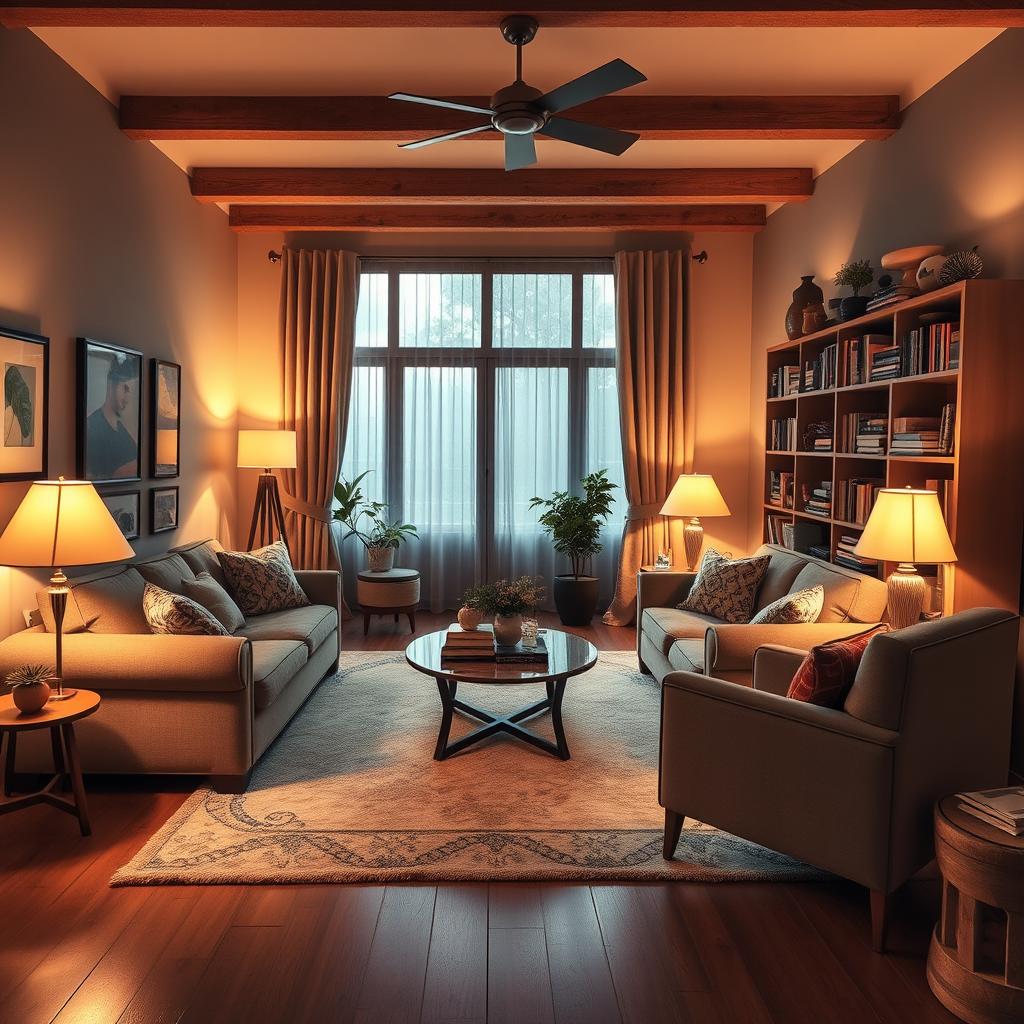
(532,310)
(439,310)
(598,311)
(604,441)
(365,441)
(531,457)
(439,449)
(372,311)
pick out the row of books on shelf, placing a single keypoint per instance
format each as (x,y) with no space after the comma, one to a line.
(817,501)
(863,433)
(784,381)
(780,488)
(855,497)
(782,434)
(924,435)
(931,349)
(822,371)
(859,355)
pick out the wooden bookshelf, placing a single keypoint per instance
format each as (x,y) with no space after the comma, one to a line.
(986,466)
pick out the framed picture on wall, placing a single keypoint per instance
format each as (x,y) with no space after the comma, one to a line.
(25,359)
(165,413)
(109,412)
(124,509)
(163,509)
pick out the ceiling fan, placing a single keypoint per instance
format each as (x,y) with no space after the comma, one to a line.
(519,111)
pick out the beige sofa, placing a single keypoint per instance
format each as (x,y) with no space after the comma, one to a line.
(671,640)
(206,705)
(850,789)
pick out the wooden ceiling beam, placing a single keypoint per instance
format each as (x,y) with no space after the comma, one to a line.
(487,13)
(535,186)
(378,118)
(501,218)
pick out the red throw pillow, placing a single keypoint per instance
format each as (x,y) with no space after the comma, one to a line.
(826,674)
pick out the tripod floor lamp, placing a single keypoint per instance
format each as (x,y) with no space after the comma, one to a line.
(267,450)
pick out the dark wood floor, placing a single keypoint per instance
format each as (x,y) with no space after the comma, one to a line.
(72,949)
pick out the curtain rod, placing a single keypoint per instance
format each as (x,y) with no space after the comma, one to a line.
(700,257)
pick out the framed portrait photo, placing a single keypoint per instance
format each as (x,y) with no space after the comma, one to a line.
(163,509)
(165,413)
(109,412)
(25,359)
(123,507)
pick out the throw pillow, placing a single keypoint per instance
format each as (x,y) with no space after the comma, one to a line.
(826,674)
(803,606)
(205,590)
(263,580)
(726,588)
(177,615)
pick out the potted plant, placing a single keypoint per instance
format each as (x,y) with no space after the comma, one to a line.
(471,614)
(854,275)
(574,525)
(506,600)
(30,687)
(367,520)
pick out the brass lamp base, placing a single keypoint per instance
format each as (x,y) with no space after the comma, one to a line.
(693,541)
(58,591)
(906,593)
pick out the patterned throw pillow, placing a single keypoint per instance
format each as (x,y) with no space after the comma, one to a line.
(177,615)
(205,590)
(826,675)
(803,606)
(263,580)
(726,588)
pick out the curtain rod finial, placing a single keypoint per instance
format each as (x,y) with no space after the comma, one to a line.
(274,257)
(701,257)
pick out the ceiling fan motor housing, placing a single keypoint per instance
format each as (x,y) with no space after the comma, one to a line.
(516,111)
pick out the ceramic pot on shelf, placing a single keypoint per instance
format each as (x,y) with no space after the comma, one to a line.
(808,294)
(508,629)
(380,559)
(815,318)
(852,306)
(470,618)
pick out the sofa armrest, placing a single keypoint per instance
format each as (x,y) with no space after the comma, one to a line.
(730,647)
(138,661)
(322,586)
(775,666)
(661,590)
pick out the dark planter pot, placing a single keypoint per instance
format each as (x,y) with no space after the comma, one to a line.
(853,306)
(575,599)
(808,294)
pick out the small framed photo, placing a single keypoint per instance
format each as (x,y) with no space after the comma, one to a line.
(163,509)
(25,359)
(109,412)
(124,508)
(165,413)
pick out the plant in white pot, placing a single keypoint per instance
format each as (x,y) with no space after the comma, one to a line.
(506,600)
(574,524)
(368,522)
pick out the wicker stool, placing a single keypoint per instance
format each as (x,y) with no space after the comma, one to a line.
(395,592)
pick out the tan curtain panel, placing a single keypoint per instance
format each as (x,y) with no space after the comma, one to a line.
(319,292)
(652,374)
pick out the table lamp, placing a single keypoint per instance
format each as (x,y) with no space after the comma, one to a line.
(58,523)
(906,526)
(694,495)
(267,450)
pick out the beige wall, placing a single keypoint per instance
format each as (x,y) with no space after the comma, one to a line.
(720,298)
(100,237)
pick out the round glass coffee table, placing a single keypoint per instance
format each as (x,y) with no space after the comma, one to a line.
(568,655)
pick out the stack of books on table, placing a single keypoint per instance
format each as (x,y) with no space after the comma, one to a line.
(846,556)
(518,653)
(885,363)
(1000,808)
(469,645)
(818,500)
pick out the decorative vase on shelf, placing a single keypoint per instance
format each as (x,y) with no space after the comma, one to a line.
(808,294)
(380,559)
(508,629)
(470,618)
(815,318)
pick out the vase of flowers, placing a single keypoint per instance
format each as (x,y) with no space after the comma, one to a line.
(506,600)
(30,687)
(368,522)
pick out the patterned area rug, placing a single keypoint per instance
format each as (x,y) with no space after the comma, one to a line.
(351,793)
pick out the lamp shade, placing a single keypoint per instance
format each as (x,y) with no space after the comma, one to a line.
(59,523)
(906,525)
(266,449)
(695,494)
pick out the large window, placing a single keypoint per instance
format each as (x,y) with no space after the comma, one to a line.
(476,387)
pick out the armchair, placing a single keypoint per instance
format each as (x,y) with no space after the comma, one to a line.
(848,790)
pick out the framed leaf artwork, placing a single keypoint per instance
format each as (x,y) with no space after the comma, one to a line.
(25,361)
(165,412)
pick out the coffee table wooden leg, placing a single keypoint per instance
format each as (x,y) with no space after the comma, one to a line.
(75,771)
(447,692)
(8,768)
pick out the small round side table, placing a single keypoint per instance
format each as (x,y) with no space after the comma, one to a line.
(394,592)
(60,719)
(976,956)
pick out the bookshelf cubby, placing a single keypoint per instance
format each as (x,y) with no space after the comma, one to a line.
(981,479)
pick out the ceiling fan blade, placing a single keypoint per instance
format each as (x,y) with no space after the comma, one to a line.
(520,152)
(606,140)
(610,77)
(431,102)
(420,143)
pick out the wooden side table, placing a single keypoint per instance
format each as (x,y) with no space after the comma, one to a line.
(59,718)
(394,592)
(976,956)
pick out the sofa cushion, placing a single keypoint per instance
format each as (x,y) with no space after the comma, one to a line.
(311,625)
(201,556)
(105,602)
(726,587)
(166,571)
(215,599)
(827,673)
(663,626)
(790,609)
(687,656)
(841,590)
(779,576)
(177,615)
(274,665)
(263,580)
